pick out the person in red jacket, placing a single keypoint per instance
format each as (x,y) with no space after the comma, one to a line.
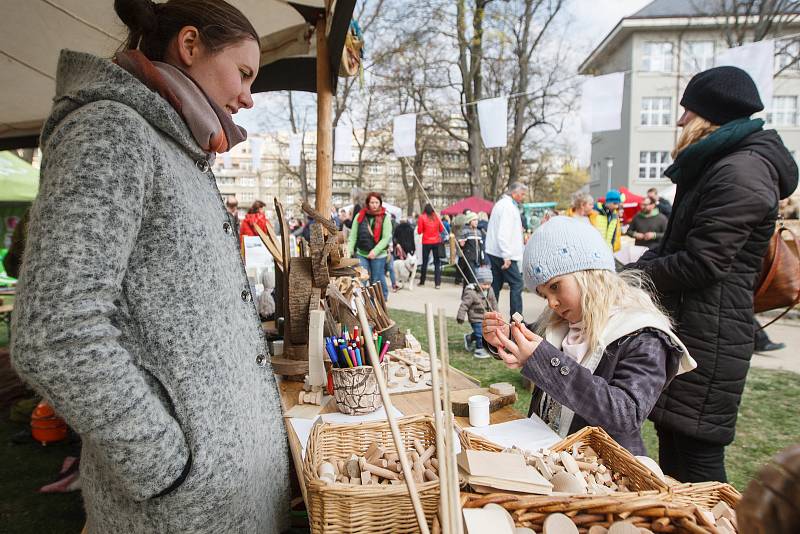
(255,217)
(430,226)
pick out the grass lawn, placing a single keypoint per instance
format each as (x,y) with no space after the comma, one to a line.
(768,417)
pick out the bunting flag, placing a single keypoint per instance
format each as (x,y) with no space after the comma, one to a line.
(756,59)
(226,160)
(256,146)
(343,147)
(601,102)
(295,144)
(493,118)
(405,135)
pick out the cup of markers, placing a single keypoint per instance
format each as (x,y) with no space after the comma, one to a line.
(355,387)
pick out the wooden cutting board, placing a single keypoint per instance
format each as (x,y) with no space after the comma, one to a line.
(460,400)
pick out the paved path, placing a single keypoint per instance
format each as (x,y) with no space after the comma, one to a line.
(449,297)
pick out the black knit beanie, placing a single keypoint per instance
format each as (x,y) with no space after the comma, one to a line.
(722,94)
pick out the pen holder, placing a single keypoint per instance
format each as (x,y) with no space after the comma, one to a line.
(356,389)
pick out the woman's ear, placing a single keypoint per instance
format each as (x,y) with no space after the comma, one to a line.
(188,42)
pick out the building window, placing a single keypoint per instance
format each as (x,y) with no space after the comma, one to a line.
(783,112)
(246,197)
(787,52)
(374,169)
(656,111)
(247,182)
(657,56)
(653,164)
(698,56)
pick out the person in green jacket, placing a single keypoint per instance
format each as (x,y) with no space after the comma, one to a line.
(369,240)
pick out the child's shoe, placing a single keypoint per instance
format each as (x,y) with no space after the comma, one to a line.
(480,354)
(469,345)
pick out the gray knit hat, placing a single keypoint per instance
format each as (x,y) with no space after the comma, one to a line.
(564,245)
(483,274)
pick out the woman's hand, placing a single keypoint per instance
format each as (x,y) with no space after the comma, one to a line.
(492,323)
(515,352)
(371,255)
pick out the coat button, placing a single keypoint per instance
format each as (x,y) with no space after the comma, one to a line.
(227,227)
(564,370)
(555,362)
(261,360)
(246,296)
(202,165)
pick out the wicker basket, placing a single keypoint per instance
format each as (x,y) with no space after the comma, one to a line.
(649,509)
(705,494)
(616,457)
(344,508)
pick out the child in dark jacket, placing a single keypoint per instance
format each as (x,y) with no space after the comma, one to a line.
(606,350)
(473,307)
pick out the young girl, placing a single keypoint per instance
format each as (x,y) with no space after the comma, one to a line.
(607,350)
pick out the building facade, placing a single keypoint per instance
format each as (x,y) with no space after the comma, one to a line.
(660,48)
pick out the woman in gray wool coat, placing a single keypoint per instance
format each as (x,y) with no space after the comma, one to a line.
(134,317)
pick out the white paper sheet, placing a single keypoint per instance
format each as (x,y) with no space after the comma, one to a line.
(529,434)
(405,135)
(295,144)
(630,254)
(493,118)
(601,102)
(756,59)
(255,253)
(343,148)
(256,146)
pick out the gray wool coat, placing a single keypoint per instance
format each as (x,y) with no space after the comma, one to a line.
(134,319)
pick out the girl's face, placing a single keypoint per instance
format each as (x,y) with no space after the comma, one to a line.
(374,204)
(473,223)
(563,297)
(225,76)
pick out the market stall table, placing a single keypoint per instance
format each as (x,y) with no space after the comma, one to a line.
(413,403)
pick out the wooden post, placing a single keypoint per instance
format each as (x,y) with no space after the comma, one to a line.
(324,121)
(441,452)
(452,469)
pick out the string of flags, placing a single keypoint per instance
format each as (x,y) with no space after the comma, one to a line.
(601,108)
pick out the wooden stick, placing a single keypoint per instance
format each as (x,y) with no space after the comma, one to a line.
(318,217)
(444,499)
(387,404)
(450,458)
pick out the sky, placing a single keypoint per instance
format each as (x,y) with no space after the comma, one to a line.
(589,20)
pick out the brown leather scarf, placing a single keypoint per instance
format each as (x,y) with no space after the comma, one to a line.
(211,126)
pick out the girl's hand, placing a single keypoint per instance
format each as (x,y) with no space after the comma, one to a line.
(517,351)
(492,323)
(371,255)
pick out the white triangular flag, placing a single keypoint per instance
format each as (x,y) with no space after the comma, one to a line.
(256,145)
(343,147)
(226,160)
(601,102)
(756,59)
(405,135)
(295,144)
(493,118)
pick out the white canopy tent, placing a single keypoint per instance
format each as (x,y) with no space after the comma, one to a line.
(32,32)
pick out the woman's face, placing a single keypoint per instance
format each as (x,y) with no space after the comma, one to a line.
(374,204)
(225,76)
(586,208)
(686,118)
(473,223)
(563,297)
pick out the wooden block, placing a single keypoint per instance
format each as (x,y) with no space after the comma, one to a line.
(366,478)
(460,400)
(569,463)
(355,481)
(353,469)
(502,389)
(518,318)
(725,526)
(481,521)
(430,475)
(316,367)
(372,452)
(565,482)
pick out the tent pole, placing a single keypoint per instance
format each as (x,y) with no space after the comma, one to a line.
(324,120)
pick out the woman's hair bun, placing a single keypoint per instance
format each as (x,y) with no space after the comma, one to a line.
(138,15)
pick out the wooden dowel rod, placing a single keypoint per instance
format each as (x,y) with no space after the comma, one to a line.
(441,452)
(452,469)
(387,404)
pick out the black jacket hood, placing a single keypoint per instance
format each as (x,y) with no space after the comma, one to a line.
(769,145)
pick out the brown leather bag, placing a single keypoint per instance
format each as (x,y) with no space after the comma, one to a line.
(779,285)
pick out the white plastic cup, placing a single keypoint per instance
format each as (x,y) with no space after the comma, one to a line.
(479,410)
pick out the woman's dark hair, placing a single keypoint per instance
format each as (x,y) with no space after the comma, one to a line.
(255,206)
(373,195)
(428,210)
(152,26)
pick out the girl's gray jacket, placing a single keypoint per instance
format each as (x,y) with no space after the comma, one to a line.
(134,318)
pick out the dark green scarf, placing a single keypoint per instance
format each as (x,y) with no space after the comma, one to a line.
(695,158)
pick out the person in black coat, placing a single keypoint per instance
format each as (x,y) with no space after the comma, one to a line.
(404,236)
(730,174)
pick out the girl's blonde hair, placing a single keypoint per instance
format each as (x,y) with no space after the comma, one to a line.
(602,291)
(696,129)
